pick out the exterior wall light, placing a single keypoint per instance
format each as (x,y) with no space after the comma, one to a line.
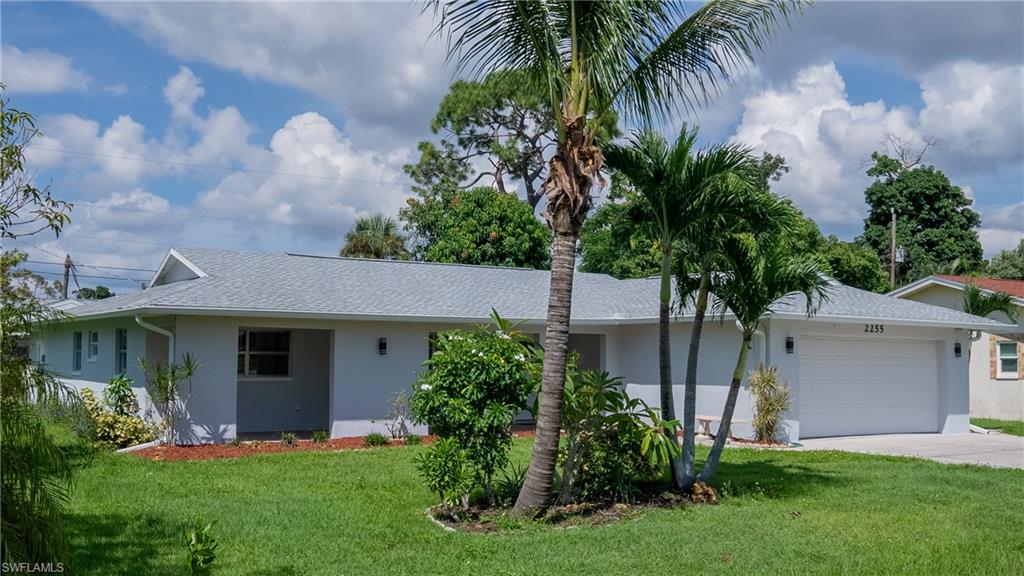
(790,345)
(957,350)
(382,346)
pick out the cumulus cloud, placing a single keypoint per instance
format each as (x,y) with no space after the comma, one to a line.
(827,139)
(39,71)
(374,60)
(1002,228)
(181,92)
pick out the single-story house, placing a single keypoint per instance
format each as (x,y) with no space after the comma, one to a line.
(997,358)
(296,342)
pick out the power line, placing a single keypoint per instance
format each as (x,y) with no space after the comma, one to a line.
(191,215)
(52,253)
(94,266)
(212,166)
(96,276)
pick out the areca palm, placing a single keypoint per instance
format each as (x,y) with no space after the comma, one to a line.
(758,272)
(376,237)
(743,209)
(681,187)
(981,303)
(641,59)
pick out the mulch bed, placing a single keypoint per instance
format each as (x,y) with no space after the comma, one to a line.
(490,520)
(252,448)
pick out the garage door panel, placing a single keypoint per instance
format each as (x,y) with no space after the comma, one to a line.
(860,386)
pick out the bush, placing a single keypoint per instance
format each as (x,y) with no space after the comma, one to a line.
(320,436)
(375,439)
(289,440)
(398,415)
(612,440)
(112,429)
(202,547)
(120,398)
(475,384)
(771,402)
(509,483)
(446,471)
(413,440)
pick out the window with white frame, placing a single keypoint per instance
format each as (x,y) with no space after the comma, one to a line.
(94,345)
(121,346)
(76,352)
(264,353)
(1006,361)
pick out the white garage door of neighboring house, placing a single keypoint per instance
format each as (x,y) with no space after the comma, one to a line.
(867,386)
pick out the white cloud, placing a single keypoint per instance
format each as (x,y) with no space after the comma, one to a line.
(974,110)
(119,89)
(181,92)
(375,60)
(39,71)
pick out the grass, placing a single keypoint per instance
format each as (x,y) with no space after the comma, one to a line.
(1015,427)
(362,512)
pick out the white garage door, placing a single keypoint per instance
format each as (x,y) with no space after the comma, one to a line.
(852,386)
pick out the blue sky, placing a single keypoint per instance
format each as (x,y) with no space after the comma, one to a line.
(271,127)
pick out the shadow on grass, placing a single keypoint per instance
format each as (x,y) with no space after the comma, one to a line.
(771,479)
(117,544)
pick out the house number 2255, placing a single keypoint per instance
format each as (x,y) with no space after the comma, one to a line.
(874,328)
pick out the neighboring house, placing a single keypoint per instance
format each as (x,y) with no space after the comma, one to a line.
(293,342)
(997,357)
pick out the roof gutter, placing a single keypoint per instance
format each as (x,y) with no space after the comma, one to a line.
(159,330)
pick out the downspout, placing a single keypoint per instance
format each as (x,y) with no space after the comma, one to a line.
(159,330)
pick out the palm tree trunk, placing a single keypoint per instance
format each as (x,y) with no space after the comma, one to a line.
(536,492)
(668,408)
(686,459)
(730,406)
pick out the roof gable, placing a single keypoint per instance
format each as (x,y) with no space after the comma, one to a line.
(175,268)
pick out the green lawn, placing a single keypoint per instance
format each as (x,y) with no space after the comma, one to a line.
(1015,427)
(362,512)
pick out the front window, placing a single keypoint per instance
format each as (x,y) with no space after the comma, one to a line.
(121,342)
(76,352)
(1007,361)
(263,352)
(94,346)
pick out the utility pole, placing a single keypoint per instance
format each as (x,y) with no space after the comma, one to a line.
(67,272)
(892,248)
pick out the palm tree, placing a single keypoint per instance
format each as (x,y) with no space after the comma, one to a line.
(375,237)
(984,303)
(680,188)
(643,59)
(759,271)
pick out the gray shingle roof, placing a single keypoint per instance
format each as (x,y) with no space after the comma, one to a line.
(286,284)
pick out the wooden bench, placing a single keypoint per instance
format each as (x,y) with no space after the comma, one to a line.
(704,423)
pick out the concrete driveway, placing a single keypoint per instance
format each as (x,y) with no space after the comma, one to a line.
(998,450)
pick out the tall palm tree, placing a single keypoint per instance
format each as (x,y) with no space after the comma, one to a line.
(680,187)
(759,270)
(376,237)
(981,303)
(643,59)
(751,210)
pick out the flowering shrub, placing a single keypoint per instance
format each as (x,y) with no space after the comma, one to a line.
(113,429)
(474,385)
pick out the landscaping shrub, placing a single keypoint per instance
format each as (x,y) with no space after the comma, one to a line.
(112,429)
(509,483)
(447,471)
(476,382)
(413,440)
(202,547)
(375,439)
(771,402)
(612,441)
(164,384)
(289,440)
(320,436)
(398,415)
(120,397)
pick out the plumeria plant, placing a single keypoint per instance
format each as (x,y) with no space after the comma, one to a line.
(474,384)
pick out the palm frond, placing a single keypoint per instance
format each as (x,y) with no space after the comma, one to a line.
(985,303)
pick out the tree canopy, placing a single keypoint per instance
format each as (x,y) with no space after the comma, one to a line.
(613,241)
(935,225)
(1008,264)
(97,293)
(476,226)
(376,237)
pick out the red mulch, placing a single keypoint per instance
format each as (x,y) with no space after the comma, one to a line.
(216,451)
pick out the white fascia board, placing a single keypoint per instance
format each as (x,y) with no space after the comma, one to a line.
(172,253)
